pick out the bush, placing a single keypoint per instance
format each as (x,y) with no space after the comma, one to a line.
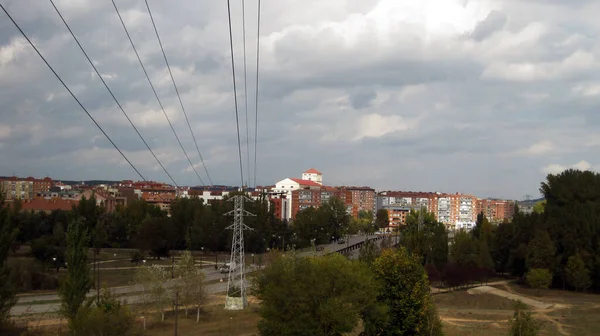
(109,317)
(522,323)
(27,275)
(137,257)
(539,278)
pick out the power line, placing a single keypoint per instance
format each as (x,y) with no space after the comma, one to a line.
(178,96)
(237,120)
(111,93)
(246,89)
(155,94)
(256,97)
(71,92)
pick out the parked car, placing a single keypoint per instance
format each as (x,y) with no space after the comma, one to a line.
(225,268)
(341,241)
(320,248)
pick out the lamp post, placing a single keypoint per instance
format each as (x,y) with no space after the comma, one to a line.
(201,256)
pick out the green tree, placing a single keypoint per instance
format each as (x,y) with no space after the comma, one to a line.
(315,296)
(78,281)
(368,252)
(522,323)
(463,250)
(191,288)
(405,291)
(577,274)
(501,246)
(425,236)
(539,278)
(484,258)
(108,317)
(539,207)
(8,235)
(382,219)
(483,227)
(571,218)
(541,251)
(154,294)
(155,235)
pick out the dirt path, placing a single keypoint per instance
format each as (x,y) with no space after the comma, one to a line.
(511,296)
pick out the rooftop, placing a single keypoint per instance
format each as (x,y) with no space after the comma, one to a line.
(313,171)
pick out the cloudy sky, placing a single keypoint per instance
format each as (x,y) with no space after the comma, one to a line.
(481,97)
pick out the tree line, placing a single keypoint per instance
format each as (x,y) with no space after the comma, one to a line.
(558,244)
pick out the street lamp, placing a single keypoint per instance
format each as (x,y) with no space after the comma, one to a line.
(201,256)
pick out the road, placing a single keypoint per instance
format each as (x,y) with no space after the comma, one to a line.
(130,299)
(33,303)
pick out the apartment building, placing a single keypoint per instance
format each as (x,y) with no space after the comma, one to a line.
(24,188)
(15,188)
(456,211)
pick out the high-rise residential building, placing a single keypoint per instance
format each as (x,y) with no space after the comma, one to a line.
(456,211)
(17,188)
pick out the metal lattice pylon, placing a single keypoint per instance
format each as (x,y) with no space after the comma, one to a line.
(236,283)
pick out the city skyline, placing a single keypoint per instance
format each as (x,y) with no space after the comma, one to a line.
(472,101)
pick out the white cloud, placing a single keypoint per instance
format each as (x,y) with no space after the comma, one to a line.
(540,148)
(555,168)
(530,71)
(448,83)
(587,89)
(375,126)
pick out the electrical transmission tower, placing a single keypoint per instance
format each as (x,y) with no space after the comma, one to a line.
(236,283)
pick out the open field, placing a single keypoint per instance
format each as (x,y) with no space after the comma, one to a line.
(462,312)
(486,314)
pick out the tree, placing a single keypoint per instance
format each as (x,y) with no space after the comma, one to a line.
(571,218)
(522,323)
(108,317)
(425,236)
(501,245)
(463,250)
(192,289)
(577,274)
(539,278)
(78,281)
(483,227)
(405,291)
(156,236)
(541,251)
(382,219)
(368,252)
(8,234)
(152,280)
(315,296)
(539,207)
(484,256)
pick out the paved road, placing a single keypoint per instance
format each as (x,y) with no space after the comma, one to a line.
(28,304)
(54,307)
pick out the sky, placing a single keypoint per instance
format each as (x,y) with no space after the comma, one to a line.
(479,97)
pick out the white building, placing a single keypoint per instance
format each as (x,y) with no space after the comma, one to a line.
(313,175)
(286,186)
